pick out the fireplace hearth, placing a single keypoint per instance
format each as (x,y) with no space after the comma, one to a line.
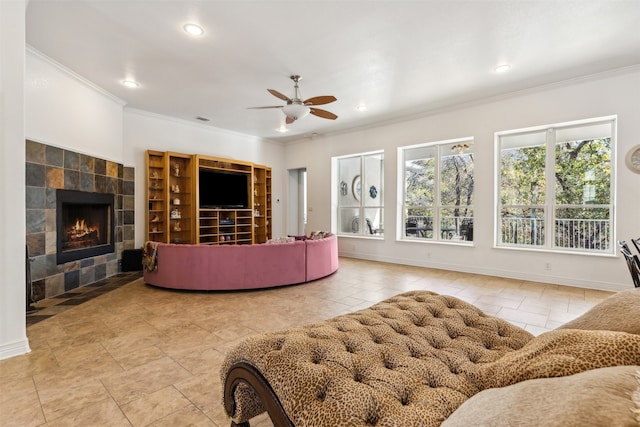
(84,224)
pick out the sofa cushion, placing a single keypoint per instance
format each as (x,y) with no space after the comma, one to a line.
(600,397)
(619,312)
(300,237)
(283,239)
(560,353)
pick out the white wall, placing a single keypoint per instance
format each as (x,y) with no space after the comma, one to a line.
(66,110)
(13,338)
(612,94)
(144,131)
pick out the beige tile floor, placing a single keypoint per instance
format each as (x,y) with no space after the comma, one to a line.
(142,356)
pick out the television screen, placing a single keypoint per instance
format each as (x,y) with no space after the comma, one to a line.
(223,190)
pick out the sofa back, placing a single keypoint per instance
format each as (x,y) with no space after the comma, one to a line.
(322,257)
(228,267)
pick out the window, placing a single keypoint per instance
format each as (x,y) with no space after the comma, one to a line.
(556,187)
(437,191)
(360,194)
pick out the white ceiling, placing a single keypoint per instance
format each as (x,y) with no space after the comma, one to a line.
(398,57)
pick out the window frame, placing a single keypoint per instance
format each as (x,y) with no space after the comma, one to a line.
(437,208)
(375,227)
(550,205)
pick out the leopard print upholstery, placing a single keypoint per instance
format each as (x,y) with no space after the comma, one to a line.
(561,353)
(398,362)
(410,360)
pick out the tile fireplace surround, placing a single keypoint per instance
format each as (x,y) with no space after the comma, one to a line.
(49,168)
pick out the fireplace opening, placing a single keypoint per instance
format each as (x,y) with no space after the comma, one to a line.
(85,224)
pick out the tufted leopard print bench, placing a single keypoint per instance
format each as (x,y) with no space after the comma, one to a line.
(410,360)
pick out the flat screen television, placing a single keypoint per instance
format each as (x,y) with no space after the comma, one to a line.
(223,190)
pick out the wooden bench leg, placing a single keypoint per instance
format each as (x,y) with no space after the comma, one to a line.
(243,372)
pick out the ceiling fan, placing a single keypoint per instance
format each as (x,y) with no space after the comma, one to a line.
(297,108)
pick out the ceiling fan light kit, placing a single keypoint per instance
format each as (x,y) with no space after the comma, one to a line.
(296,108)
(296,111)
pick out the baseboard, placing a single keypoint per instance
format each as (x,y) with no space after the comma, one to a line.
(508,274)
(15,348)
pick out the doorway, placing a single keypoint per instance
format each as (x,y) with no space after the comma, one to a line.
(297,206)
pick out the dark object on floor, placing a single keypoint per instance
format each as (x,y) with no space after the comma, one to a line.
(132,260)
(29,289)
(633,262)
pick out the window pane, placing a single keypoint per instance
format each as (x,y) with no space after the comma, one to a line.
(349,178)
(583,228)
(360,194)
(373,177)
(577,204)
(522,226)
(419,176)
(583,172)
(439,184)
(456,223)
(456,179)
(349,219)
(419,223)
(522,175)
(374,221)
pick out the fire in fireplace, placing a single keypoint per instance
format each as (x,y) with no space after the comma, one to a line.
(85,224)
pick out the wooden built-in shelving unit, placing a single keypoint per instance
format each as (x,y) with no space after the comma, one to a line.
(174,214)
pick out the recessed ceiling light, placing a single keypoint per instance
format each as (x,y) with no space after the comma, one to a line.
(502,68)
(361,107)
(131,84)
(282,129)
(193,29)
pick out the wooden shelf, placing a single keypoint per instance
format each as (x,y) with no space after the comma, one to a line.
(174,216)
(165,171)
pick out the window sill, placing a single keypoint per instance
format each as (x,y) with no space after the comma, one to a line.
(362,236)
(557,251)
(465,243)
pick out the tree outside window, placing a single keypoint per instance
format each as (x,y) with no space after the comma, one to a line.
(360,194)
(438,191)
(575,211)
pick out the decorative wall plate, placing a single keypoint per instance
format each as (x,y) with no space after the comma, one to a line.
(355,187)
(633,159)
(343,188)
(373,192)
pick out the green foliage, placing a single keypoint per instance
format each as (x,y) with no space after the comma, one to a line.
(582,193)
(420,182)
(522,180)
(583,172)
(582,175)
(456,181)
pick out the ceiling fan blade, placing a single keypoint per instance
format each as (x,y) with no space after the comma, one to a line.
(320,100)
(290,120)
(279,95)
(323,113)
(262,108)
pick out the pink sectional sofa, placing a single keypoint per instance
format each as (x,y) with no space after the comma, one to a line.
(230,267)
